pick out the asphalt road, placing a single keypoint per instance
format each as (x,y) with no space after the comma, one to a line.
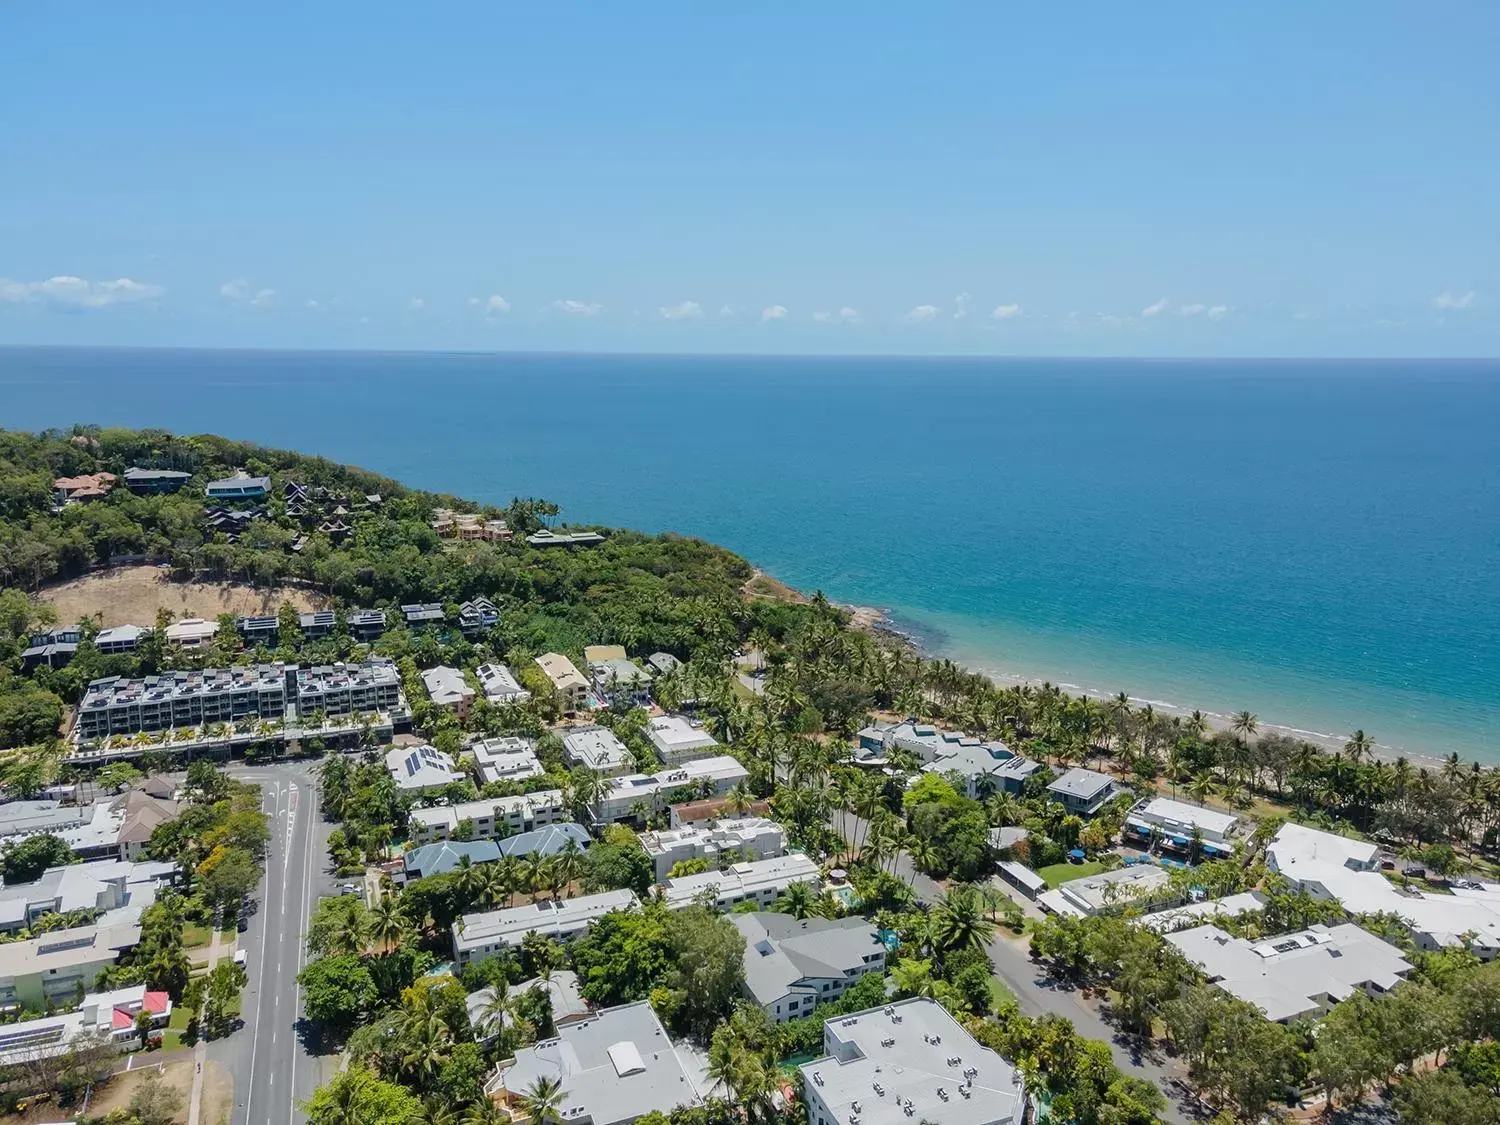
(1037,994)
(274,1067)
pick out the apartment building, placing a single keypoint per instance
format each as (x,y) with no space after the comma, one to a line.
(115,705)
(567,681)
(516,814)
(506,759)
(448,689)
(348,689)
(477,936)
(596,748)
(751,837)
(59,967)
(760,881)
(679,739)
(792,965)
(500,685)
(705,777)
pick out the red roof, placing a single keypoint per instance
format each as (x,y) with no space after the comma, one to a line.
(157,1002)
(154,1002)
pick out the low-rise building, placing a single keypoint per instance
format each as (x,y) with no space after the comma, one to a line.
(78,490)
(613,1068)
(561,986)
(419,769)
(715,808)
(101,1017)
(1023,878)
(749,838)
(760,881)
(191,632)
(59,967)
(506,759)
(1083,791)
(597,748)
(1295,976)
(240,486)
(567,681)
(477,615)
(118,889)
(678,739)
(150,482)
(792,965)
(490,816)
(624,797)
(52,648)
(1202,913)
(663,663)
(1143,886)
(448,689)
(500,685)
(983,765)
(317,624)
(621,681)
(119,639)
(477,936)
(426,613)
(366,625)
(1177,826)
(262,630)
(909,1062)
(549,538)
(446,856)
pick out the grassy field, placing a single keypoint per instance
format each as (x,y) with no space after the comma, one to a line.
(1059,873)
(133,594)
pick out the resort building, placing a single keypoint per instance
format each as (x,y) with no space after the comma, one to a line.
(468,526)
(102,1017)
(567,681)
(679,739)
(114,705)
(1142,886)
(715,808)
(1295,976)
(596,748)
(506,759)
(119,639)
(760,881)
(476,615)
(500,685)
(477,936)
(419,769)
(240,486)
(909,1062)
(78,490)
(366,625)
(793,965)
(448,690)
(446,856)
(117,889)
(150,482)
(1177,826)
(623,797)
(1083,791)
(337,690)
(1202,913)
(991,766)
(614,1068)
(59,967)
(191,632)
(749,838)
(490,816)
(549,538)
(619,680)
(428,613)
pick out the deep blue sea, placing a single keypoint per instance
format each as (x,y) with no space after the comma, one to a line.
(1318,542)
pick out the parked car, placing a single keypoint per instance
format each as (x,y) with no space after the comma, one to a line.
(1414,872)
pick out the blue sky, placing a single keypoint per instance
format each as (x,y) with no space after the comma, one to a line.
(1077,179)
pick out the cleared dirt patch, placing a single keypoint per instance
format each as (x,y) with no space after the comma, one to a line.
(131,595)
(218,1094)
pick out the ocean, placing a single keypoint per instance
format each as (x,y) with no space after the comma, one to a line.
(1318,542)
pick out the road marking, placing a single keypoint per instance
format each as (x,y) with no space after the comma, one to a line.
(300,957)
(260,982)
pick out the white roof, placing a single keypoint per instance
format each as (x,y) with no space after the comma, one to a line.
(598,748)
(500,683)
(488,807)
(446,685)
(191,628)
(1197,913)
(420,767)
(674,734)
(1297,844)
(1172,814)
(561,671)
(510,758)
(1082,783)
(549,916)
(1108,889)
(755,877)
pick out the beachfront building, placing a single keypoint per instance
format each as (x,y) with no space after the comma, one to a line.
(905,1063)
(1295,976)
(749,838)
(678,739)
(56,968)
(154,482)
(567,681)
(490,816)
(477,615)
(984,766)
(549,538)
(1082,791)
(1143,886)
(613,1069)
(420,769)
(119,639)
(792,965)
(760,881)
(1178,827)
(448,690)
(596,748)
(191,632)
(511,758)
(481,935)
(501,688)
(625,797)
(240,486)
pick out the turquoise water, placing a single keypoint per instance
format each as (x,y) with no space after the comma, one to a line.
(1317,542)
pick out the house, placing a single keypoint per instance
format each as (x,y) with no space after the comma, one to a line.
(468,526)
(678,739)
(1143,886)
(1006,838)
(792,965)
(613,1068)
(53,648)
(621,681)
(623,796)
(597,748)
(549,538)
(101,1017)
(418,769)
(59,967)
(490,815)
(567,681)
(317,625)
(1177,826)
(78,490)
(141,813)
(191,632)
(446,856)
(477,615)
(367,625)
(984,766)
(448,689)
(715,808)
(500,685)
(119,639)
(1082,791)
(427,613)
(761,881)
(152,482)
(258,630)
(477,936)
(549,840)
(240,486)
(749,838)
(663,662)
(506,759)
(905,1063)
(1295,976)
(561,986)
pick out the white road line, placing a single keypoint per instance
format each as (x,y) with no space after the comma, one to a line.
(300,957)
(260,973)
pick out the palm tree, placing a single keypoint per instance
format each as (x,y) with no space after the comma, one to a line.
(509,868)
(740,797)
(1202,787)
(570,862)
(542,1102)
(959,921)
(466,878)
(496,1009)
(802,900)
(924,853)
(1245,725)
(429,1042)
(1359,746)
(388,926)
(349,932)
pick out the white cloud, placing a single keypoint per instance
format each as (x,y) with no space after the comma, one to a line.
(78,293)
(496,304)
(848,315)
(822,316)
(240,293)
(1113,320)
(775,312)
(235,290)
(922,314)
(578,308)
(726,311)
(417,304)
(1454,301)
(1191,310)
(1218,312)
(961,305)
(1156,309)
(311,303)
(263,298)
(1006,312)
(688,310)
(473,302)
